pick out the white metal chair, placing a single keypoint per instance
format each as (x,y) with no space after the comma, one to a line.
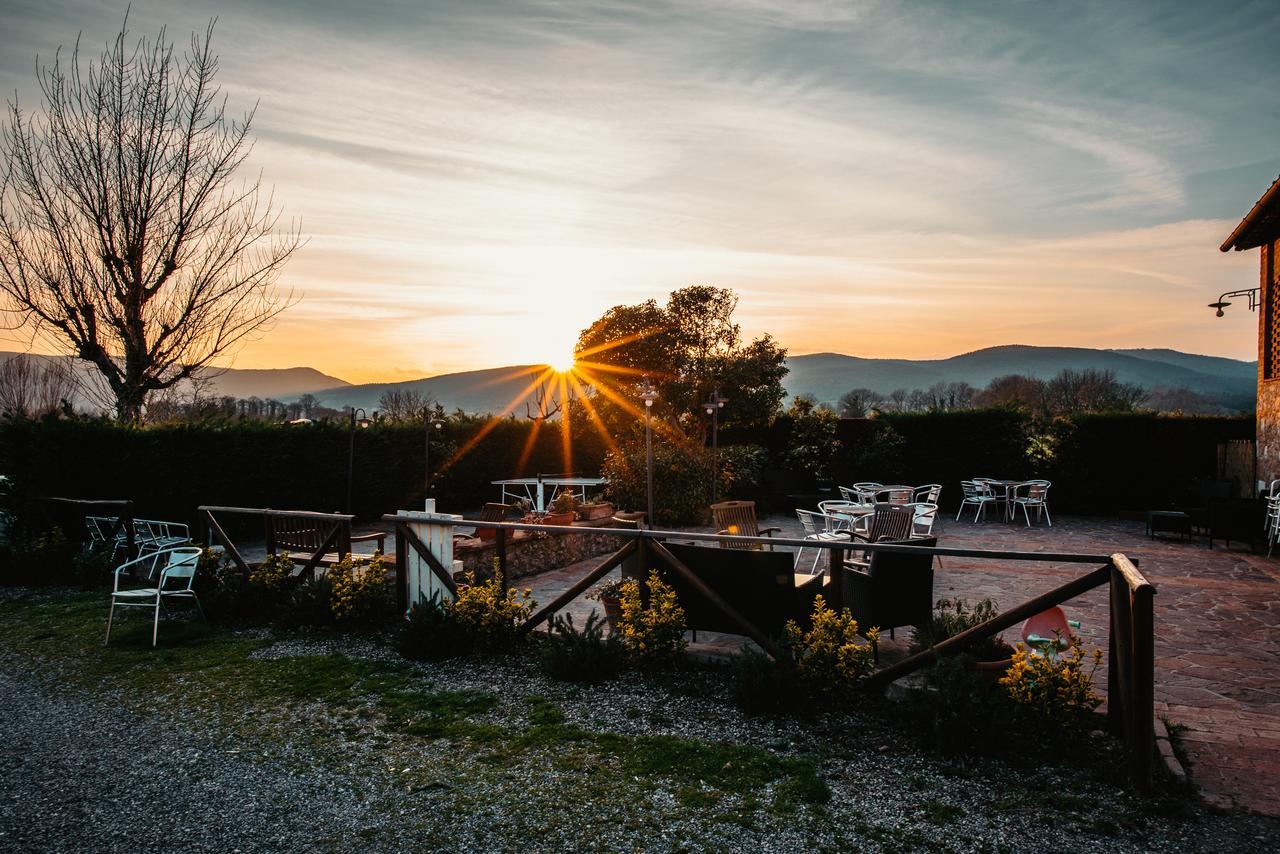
(922,523)
(1273,522)
(100,528)
(1032,493)
(895,494)
(154,535)
(927,494)
(821,527)
(978,494)
(861,493)
(166,567)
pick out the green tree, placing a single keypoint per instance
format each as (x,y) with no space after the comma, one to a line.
(687,348)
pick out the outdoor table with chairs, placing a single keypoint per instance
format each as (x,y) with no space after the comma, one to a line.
(1007,496)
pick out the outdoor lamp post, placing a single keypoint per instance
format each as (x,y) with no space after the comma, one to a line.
(428,424)
(713,406)
(362,422)
(648,394)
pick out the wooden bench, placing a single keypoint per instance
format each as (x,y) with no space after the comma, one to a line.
(311,540)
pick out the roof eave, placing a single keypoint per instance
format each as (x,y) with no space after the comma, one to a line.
(1261,205)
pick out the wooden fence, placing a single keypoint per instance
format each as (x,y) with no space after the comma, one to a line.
(1130,654)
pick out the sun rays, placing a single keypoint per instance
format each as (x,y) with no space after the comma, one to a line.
(577,380)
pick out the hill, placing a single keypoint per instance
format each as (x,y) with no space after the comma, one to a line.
(1229,382)
(829,375)
(278,383)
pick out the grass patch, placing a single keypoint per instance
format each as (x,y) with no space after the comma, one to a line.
(199,663)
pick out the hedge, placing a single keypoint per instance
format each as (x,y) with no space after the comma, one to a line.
(168,471)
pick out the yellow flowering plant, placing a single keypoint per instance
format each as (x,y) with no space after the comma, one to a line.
(490,615)
(831,658)
(359,593)
(654,635)
(1054,690)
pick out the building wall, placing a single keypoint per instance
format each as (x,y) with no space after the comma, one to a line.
(1268,375)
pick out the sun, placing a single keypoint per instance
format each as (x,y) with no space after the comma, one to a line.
(562,363)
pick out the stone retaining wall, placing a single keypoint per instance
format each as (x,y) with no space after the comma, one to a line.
(529,553)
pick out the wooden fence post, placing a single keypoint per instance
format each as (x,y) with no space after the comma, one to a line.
(402,568)
(1143,692)
(500,546)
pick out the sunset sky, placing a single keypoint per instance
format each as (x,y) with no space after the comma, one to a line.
(480,180)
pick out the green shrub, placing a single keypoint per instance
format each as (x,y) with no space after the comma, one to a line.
(681,478)
(489,616)
(431,633)
(93,566)
(830,659)
(1053,694)
(363,595)
(959,710)
(45,558)
(764,686)
(589,655)
(309,604)
(653,633)
(953,616)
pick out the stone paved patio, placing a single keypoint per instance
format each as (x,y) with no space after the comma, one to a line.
(1216,618)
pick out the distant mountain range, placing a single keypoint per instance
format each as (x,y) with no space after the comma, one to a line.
(829,375)
(826,376)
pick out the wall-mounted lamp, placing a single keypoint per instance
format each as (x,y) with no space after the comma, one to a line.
(1251,293)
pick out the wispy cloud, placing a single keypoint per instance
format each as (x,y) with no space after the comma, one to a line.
(479,180)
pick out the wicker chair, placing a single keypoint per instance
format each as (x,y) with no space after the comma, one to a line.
(739,517)
(893,590)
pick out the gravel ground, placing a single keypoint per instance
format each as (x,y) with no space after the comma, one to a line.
(90,772)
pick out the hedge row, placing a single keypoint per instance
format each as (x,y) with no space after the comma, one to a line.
(1099,464)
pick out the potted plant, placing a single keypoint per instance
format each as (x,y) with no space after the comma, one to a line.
(562,510)
(595,508)
(991,658)
(609,595)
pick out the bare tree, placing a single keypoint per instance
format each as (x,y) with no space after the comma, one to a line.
(857,402)
(403,404)
(122,238)
(32,387)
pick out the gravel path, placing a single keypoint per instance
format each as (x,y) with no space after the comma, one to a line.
(77,778)
(79,774)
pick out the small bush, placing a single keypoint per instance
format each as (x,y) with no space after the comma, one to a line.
(653,635)
(45,558)
(92,567)
(362,595)
(1054,693)
(959,710)
(763,686)
(953,616)
(588,655)
(490,616)
(831,658)
(309,604)
(431,633)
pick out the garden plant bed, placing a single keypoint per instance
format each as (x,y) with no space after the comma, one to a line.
(327,739)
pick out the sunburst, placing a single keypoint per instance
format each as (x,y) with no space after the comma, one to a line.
(573,376)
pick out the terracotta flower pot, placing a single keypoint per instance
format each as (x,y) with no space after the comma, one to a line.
(992,671)
(565,518)
(612,610)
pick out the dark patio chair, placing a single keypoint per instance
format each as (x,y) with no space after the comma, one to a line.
(894,589)
(890,522)
(762,586)
(739,517)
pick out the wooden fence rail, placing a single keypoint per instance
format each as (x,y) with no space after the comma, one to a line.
(1130,660)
